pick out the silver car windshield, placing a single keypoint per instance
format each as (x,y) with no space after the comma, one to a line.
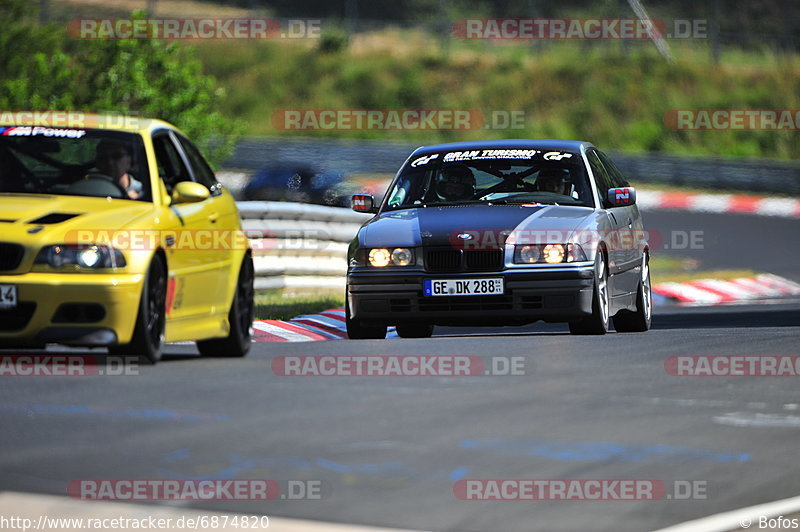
(433,181)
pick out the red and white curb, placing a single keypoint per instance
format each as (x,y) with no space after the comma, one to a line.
(328,325)
(718,203)
(716,292)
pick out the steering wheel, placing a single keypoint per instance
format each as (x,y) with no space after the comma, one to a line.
(104,177)
(503,186)
(556,197)
(37,181)
(96,184)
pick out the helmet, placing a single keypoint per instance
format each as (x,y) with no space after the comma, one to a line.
(553,179)
(456,182)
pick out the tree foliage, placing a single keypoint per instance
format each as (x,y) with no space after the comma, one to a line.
(42,68)
(746,22)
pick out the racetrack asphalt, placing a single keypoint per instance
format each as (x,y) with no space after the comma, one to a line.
(730,241)
(388,450)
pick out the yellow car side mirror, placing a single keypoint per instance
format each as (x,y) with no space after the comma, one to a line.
(189,192)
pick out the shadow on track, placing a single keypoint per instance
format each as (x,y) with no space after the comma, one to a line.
(739,318)
(91,357)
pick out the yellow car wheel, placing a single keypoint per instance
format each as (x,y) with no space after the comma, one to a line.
(148,334)
(240,316)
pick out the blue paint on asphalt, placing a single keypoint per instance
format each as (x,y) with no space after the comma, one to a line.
(240,466)
(658,299)
(111,412)
(600,451)
(236,465)
(176,456)
(345,469)
(458,474)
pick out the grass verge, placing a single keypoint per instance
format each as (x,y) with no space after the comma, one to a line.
(616,94)
(285,305)
(624,101)
(683,269)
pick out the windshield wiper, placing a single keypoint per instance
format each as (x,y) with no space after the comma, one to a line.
(467,202)
(439,204)
(507,202)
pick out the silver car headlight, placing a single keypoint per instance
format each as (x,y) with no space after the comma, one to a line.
(548,253)
(382,257)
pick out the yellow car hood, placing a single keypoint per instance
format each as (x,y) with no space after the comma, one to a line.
(39,219)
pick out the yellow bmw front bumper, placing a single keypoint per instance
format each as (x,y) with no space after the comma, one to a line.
(72,308)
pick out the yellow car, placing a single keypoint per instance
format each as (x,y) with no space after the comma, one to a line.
(115,232)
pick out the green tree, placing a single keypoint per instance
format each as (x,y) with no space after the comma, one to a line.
(41,68)
(34,71)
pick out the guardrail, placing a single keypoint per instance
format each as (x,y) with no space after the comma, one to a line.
(297,245)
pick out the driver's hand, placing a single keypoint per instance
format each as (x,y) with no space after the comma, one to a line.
(132,194)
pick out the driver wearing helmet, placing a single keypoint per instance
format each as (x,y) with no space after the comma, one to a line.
(555,180)
(456,183)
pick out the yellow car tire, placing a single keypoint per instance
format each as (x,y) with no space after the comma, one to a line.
(240,317)
(148,334)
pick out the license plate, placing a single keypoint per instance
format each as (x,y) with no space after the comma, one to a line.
(463,287)
(8,295)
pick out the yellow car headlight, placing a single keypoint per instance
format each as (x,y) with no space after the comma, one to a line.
(81,257)
(89,258)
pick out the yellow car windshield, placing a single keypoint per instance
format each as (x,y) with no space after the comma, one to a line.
(77,162)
